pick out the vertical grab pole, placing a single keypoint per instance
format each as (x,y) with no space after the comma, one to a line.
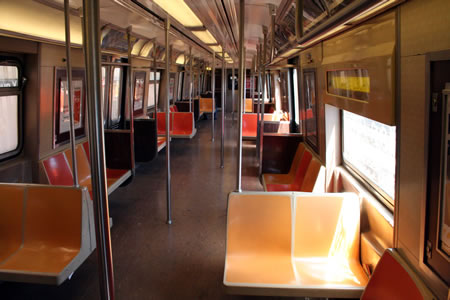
(213,88)
(69,89)
(91,44)
(190,79)
(241,92)
(258,106)
(222,143)
(252,76)
(154,78)
(263,71)
(131,98)
(233,105)
(166,74)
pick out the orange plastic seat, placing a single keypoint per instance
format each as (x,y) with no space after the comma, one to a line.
(161,143)
(57,170)
(248,105)
(183,125)
(300,174)
(290,176)
(394,279)
(206,105)
(161,122)
(54,236)
(293,244)
(249,126)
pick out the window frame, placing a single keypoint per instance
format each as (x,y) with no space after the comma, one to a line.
(303,107)
(111,93)
(139,75)
(370,186)
(12,91)
(158,84)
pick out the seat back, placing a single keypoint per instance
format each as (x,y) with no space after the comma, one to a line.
(393,279)
(297,158)
(311,175)
(83,167)
(58,170)
(86,150)
(183,122)
(161,122)
(249,125)
(206,104)
(53,216)
(301,170)
(248,105)
(11,216)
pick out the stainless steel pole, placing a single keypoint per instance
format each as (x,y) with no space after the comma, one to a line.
(154,78)
(166,74)
(241,92)
(258,106)
(91,44)
(233,104)
(272,28)
(263,71)
(213,88)
(131,98)
(69,92)
(222,143)
(190,79)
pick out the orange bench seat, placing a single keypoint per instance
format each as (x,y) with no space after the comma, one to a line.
(182,124)
(161,143)
(250,124)
(44,232)
(293,244)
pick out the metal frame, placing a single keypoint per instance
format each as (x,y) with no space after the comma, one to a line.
(166,74)
(241,93)
(131,98)
(222,142)
(213,88)
(263,86)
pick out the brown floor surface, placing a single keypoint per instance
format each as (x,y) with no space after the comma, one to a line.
(151,259)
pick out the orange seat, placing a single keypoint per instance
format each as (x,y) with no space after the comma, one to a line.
(393,279)
(290,176)
(295,244)
(206,105)
(248,105)
(57,170)
(249,126)
(183,125)
(161,143)
(53,236)
(161,123)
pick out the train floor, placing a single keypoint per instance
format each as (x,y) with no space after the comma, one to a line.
(153,260)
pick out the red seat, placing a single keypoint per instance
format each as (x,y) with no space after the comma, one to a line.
(249,125)
(183,123)
(394,279)
(161,143)
(57,170)
(161,123)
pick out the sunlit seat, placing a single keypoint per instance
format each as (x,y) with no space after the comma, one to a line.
(248,105)
(250,124)
(44,232)
(293,244)
(394,279)
(206,105)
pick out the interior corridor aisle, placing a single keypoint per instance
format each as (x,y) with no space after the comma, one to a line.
(151,259)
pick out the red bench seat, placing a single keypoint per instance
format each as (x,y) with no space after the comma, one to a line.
(182,124)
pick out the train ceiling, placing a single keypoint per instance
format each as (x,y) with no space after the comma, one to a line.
(203,26)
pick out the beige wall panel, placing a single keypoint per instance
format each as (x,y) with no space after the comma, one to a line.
(412,152)
(54,56)
(17,46)
(425,26)
(46,114)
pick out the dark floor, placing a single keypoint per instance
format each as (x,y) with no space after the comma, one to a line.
(153,260)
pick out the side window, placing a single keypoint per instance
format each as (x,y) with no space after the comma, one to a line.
(296,99)
(151,89)
(310,108)
(369,150)
(115,95)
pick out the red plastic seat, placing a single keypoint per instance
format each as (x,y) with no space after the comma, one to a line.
(161,143)
(57,170)
(161,123)
(183,123)
(394,279)
(249,125)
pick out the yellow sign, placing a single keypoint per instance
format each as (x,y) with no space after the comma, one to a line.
(351,83)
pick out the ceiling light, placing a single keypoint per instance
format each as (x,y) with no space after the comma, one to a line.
(180,11)
(205,36)
(217,49)
(180,59)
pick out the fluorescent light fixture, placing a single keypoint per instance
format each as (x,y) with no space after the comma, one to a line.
(208,69)
(205,36)
(145,51)
(180,59)
(137,47)
(217,49)
(180,11)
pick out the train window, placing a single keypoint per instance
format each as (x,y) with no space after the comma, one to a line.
(116,92)
(310,109)
(369,150)
(139,89)
(180,86)
(172,77)
(9,76)
(104,94)
(151,89)
(9,127)
(352,83)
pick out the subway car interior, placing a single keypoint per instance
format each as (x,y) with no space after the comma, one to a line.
(224,149)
